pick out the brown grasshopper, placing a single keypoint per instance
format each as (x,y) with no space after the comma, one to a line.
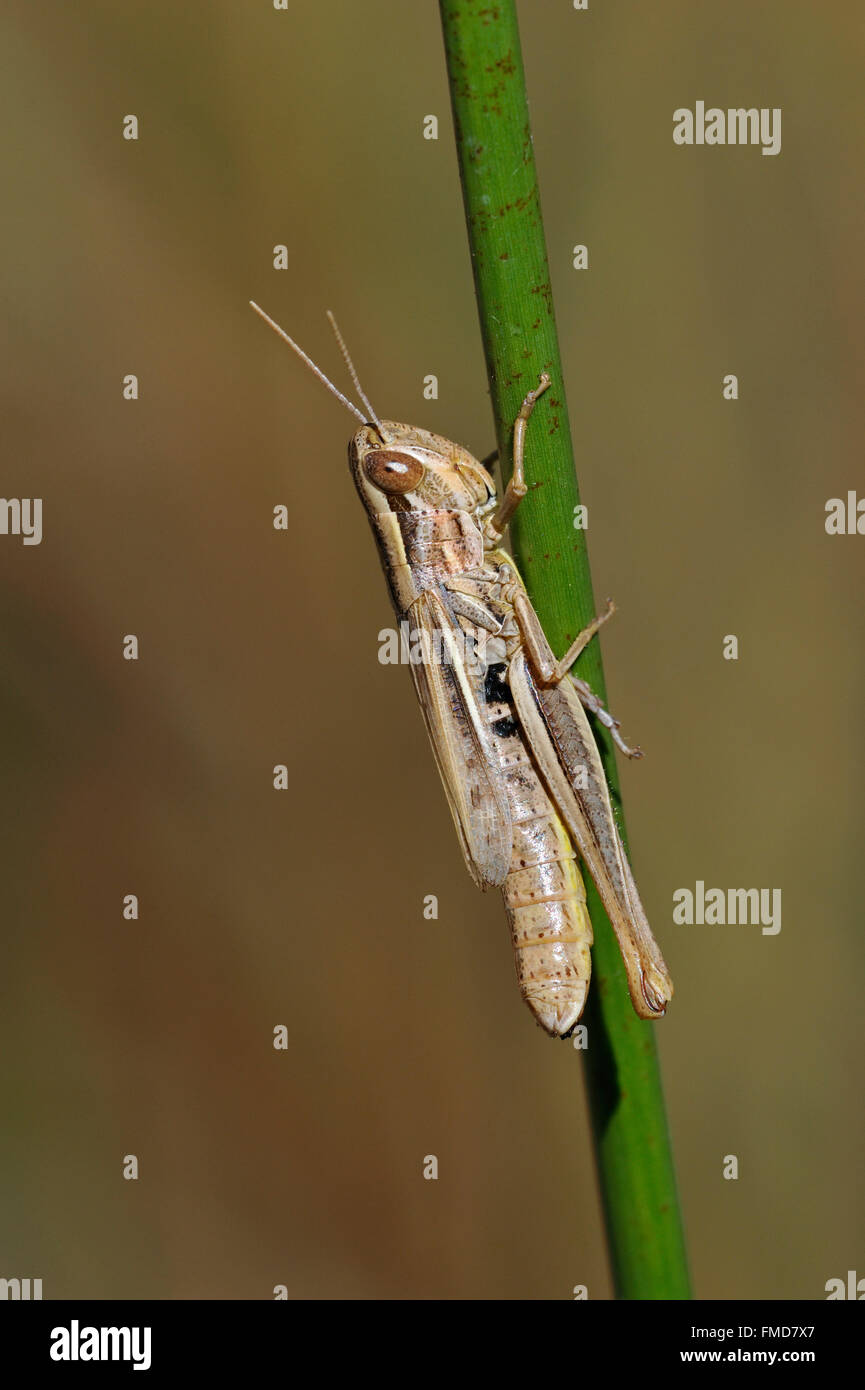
(514,747)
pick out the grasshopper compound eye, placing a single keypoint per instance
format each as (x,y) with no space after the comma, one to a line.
(391,471)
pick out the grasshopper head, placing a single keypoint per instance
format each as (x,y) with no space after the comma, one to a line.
(403,468)
(399,468)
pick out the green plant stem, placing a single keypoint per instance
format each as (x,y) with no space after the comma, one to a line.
(509,259)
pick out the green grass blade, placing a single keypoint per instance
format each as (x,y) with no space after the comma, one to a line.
(509,259)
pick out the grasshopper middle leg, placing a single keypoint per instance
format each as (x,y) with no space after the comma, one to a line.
(550,672)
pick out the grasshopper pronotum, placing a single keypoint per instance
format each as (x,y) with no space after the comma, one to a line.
(513,744)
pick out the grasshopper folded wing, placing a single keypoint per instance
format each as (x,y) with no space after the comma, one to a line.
(452,699)
(558,732)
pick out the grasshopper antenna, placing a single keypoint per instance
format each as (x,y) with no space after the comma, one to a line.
(353,373)
(312,367)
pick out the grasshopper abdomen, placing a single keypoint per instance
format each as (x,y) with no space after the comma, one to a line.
(544,895)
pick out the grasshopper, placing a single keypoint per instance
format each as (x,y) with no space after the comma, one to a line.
(511,738)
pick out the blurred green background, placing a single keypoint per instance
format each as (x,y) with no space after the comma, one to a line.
(408,1037)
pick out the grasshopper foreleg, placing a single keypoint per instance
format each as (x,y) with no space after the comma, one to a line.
(517,488)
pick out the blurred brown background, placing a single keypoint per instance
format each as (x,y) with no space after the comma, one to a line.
(408,1037)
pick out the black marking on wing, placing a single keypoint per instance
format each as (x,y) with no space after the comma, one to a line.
(498,692)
